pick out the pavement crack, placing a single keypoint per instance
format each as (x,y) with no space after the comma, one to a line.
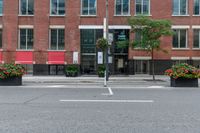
(34,98)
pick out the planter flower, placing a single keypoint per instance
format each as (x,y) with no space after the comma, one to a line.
(183,75)
(11,74)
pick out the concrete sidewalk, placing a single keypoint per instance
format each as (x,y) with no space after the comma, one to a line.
(114,81)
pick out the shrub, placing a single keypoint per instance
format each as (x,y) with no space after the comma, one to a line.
(11,70)
(72,70)
(183,70)
(101,70)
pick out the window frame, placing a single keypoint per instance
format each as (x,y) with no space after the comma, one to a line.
(194,39)
(186,43)
(122,14)
(20,13)
(88,9)
(57,14)
(1,14)
(179,9)
(56,28)
(142,12)
(194,9)
(19,39)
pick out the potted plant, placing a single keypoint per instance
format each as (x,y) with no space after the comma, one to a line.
(71,71)
(183,75)
(101,70)
(11,74)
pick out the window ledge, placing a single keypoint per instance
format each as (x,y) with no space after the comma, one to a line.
(143,14)
(122,15)
(180,48)
(28,50)
(56,50)
(56,15)
(195,48)
(88,16)
(196,15)
(20,15)
(1,49)
(187,15)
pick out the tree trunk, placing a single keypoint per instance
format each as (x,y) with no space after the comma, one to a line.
(153,64)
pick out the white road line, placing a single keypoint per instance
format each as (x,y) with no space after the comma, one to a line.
(111,101)
(108,94)
(110,91)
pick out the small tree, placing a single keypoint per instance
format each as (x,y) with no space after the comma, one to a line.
(151,31)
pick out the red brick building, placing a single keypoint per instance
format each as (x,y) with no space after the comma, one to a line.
(47,35)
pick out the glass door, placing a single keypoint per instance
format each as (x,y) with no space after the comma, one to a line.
(141,67)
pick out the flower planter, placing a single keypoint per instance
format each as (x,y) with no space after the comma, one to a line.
(11,81)
(184,82)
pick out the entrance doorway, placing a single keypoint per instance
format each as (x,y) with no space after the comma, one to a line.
(141,67)
(56,69)
(88,64)
(120,64)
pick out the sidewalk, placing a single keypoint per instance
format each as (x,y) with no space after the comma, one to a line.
(114,81)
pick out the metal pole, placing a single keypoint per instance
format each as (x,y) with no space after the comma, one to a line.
(107,67)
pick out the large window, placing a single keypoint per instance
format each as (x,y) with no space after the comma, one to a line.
(88,7)
(122,7)
(26,7)
(1,7)
(196,38)
(57,39)
(180,7)
(180,38)
(57,7)
(196,7)
(26,39)
(142,7)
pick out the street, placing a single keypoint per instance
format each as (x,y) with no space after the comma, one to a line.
(63,109)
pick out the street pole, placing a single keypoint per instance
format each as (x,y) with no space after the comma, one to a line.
(106,51)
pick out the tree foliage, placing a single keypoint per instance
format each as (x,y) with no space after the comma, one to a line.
(150,30)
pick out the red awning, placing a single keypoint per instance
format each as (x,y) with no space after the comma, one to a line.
(1,57)
(56,57)
(24,57)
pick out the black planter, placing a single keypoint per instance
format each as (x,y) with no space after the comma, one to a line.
(184,82)
(11,81)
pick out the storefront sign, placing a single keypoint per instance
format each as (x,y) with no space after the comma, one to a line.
(75,57)
(100,57)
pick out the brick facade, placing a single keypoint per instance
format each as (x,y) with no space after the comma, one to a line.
(42,20)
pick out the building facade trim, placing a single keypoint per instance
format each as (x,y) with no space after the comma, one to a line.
(180,58)
(141,57)
(180,26)
(57,26)
(26,26)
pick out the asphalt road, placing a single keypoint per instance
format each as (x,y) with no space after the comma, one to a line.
(60,109)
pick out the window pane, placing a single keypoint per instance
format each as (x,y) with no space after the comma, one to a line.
(118,7)
(196,7)
(125,7)
(53,39)
(0,38)
(92,10)
(61,5)
(23,7)
(196,39)
(183,7)
(54,7)
(61,39)
(84,7)
(88,43)
(175,7)
(30,39)
(30,7)
(183,38)
(175,39)
(145,6)
(138,7)
(22,38)
(1,6)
